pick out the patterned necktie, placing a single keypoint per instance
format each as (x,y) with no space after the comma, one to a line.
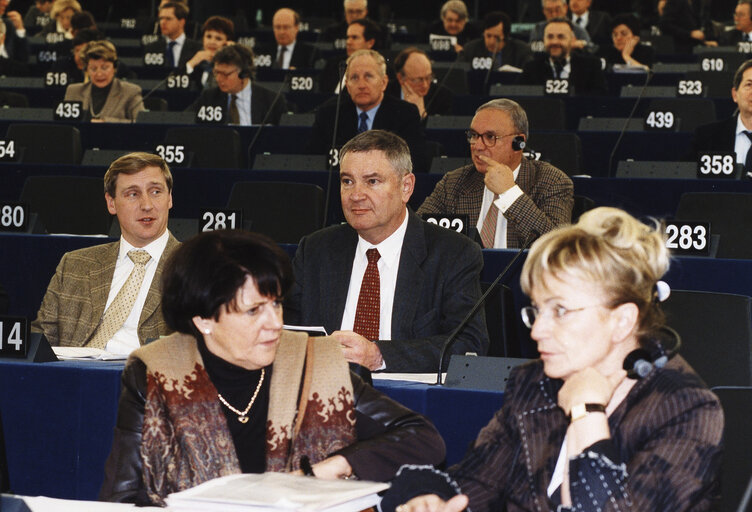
(115,316)
(748,158)
(170,54)
(488,230)
(367,313)
(234,113)
(363,126)
(281,57)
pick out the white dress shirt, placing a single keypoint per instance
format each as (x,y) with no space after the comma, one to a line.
(390,250)
(566,70)
(288,54)
(126,339)
(244,104)
(742,143)
(370,113)
(503,203)
(178,48)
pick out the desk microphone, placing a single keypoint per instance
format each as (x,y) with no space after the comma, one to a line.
(441,82)
(281,89)
(340,73)
(160,84)
(453,337)
(629,118)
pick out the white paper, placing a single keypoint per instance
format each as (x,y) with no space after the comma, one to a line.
(278,492)
(425,378)
(43,504)
(67,353)
(306,328)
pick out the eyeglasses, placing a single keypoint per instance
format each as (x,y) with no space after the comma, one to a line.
(489,138)
(418,80)
(224,74)
(531,313)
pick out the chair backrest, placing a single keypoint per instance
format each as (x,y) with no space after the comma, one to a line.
(102,157)
(730,217)
(160,117)
(691,112)
(453,76)
(736,467)
(216,147)
(581,205)
(47,143)
(4,473)
(68,204)
(716,334)
(544,113)
(501,322)
(562,150)
(155,104)
(288,119)
(656,169)
(444,164)
(13,99)
(284,211)
(278,162)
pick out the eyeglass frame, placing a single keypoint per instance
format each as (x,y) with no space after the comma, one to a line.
(472,134)
(223,74)
(558,313)
(418,80)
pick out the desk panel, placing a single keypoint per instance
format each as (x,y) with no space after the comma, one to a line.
(59,418)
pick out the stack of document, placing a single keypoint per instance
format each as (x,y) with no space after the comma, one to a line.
(68,353)
(270,492)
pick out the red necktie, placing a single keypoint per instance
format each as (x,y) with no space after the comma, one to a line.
(369,301)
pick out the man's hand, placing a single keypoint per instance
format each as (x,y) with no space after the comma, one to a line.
(499,177)
(15,18)
(358,349)
(416,99)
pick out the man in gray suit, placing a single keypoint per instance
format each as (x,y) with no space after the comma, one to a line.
(76,309)
(426,277)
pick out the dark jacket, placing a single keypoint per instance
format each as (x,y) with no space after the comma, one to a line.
(438,100)
(586,75)
(262,103)
(718,136)
(189,49)
(515,52)
(598,27)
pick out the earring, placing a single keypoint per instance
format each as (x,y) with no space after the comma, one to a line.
(207,331)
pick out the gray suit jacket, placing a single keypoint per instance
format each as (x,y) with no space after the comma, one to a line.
(545,204)
(74,303)
(437,284)
(122,106)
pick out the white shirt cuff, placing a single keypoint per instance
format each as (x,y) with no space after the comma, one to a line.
(507,198)
(188,69)
(21,33)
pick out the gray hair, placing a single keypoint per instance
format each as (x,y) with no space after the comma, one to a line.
(376,56)
(543,2)
(353,1)
(393,146)
(458,7)
(513,109)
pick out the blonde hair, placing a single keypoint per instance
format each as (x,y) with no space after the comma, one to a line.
(61,5)
(376,56)
(611,248)
(99,50)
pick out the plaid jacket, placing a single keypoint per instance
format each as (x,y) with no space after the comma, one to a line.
(546,203)
(75,299)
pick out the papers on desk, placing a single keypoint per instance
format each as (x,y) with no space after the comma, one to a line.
(67,353)
(44,504)
(312,330)
(423,378)
(270,492)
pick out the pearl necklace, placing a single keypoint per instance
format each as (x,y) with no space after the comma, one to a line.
(243,415)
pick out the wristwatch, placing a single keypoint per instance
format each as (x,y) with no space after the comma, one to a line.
(582,410)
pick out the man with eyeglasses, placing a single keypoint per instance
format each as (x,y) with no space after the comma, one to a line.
(365,107)
(497,46)
(242,102)
(416,84)
(742,24)
(510,199)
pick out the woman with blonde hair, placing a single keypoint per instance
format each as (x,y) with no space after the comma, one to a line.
(61,14)
(610,417)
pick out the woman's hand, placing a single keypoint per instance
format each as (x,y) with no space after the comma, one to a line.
(588,386)
(432,503)
(199,57)
(332,468)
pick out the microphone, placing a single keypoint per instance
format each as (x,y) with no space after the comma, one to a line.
(340,73)
(490,68)
(160,84)
(629,118)
(441,82)
(281,89)
(453,336)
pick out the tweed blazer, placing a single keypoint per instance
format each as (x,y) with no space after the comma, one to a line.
(123,103)
(546,202)
(664,452)
(74,302)
(437,284)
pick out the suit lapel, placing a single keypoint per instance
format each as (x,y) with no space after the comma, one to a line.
(154,297)
(100,278)
(410,277)
(525,182)
(335,281)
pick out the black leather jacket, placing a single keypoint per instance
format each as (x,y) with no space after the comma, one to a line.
(389,435)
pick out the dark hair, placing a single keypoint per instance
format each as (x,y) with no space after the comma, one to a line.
(220,24)
(566,21)
(236,55)
(82,20)
(401,58)
(493,18)
(740,73)
(86,35)
(205,273)
(395,149)
(370,30)
(629,20)
(180,9)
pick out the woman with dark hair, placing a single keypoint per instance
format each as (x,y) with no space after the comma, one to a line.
(232,392)
(626,48)
(218,32)
(609,417)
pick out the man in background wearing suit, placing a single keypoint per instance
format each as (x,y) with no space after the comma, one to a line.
(291,53)
(175,45)
(389,286)
(497,44)
(597,23)
(362,34)
(108,296)
(15,45)
(242,102)
(733,134)
(583,71)
(511,200)
(365,107)
(742,25)
(415,84)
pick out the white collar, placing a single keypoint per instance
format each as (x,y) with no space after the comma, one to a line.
(390,248)
(155,248)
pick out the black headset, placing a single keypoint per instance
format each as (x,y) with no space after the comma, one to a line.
(244,57)
(518,143)
(640,362)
